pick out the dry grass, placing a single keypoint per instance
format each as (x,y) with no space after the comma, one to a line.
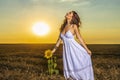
(26,62)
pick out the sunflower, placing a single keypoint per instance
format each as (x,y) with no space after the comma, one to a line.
(48,54)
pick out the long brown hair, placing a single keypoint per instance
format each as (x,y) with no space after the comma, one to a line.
(75,20)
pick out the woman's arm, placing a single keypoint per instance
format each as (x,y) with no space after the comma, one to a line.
(80,39)
(57,44)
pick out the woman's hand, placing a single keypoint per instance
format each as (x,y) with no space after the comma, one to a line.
(89,52)
(53,51)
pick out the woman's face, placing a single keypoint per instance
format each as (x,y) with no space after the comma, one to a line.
(69,15)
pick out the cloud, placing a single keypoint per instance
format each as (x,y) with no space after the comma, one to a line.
(35,0)
(69,0)
(83,3)
(56,1)
(66,2)
(76,2)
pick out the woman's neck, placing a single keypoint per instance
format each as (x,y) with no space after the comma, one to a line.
(68,22)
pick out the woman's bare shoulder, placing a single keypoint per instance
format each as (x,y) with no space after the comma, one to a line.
(74,25)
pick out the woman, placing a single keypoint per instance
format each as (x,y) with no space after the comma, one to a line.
(77,62)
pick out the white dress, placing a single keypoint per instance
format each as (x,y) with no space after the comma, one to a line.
(77,62)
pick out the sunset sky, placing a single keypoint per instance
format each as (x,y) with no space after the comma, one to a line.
(100,20)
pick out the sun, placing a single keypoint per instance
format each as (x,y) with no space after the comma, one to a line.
(40,28)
